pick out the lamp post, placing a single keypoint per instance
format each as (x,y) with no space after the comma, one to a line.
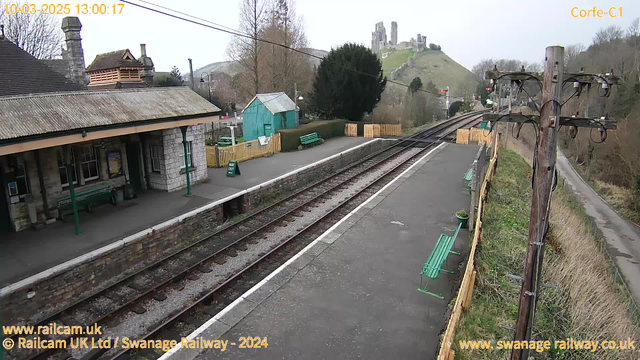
(295,99)
(208,83)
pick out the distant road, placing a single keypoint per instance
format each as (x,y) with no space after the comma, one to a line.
(622,236)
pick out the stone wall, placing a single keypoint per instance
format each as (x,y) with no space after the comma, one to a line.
(173,148)
(171,176)
(92,273)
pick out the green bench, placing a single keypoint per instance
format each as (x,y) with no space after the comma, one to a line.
(225,141)
(468,175)
(438,256)
(467,179)
(85,199)
(309,139)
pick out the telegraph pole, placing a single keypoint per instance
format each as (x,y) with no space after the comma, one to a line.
(543,180)
(546,125)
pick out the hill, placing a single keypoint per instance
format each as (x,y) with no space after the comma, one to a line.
(429,65)
(231,68)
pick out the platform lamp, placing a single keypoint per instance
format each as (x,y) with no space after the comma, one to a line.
(208,82)
(297,97)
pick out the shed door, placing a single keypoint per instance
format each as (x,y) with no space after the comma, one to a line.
(268,129)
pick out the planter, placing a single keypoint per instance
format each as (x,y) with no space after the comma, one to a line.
(462,220)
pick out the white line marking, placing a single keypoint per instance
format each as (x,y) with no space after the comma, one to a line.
(257,286)
(131,238)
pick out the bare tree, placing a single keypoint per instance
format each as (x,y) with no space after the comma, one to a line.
(571,53)
(284,66)
(247,52)
(634,28)
(38,34)
(534,67)
(608,34)
(481,68)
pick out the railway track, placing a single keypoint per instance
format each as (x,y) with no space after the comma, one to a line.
(216,259)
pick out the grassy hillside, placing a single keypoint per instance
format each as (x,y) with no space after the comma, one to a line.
(431,65)
(395,60)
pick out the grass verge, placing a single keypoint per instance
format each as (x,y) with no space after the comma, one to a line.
(587,303)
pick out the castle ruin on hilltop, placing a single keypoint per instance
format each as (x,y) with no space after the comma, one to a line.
(379,40)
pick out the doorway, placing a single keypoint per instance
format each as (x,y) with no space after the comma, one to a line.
(133,163)
(5,219)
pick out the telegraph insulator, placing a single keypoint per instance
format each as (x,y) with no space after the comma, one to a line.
(573,131)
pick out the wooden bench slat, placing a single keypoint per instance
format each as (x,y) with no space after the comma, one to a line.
(439,254)
(310,138)
(85,198)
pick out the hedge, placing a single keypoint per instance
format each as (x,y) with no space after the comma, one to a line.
(290,138)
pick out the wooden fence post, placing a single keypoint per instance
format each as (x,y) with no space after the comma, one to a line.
(469,295)
(217,155)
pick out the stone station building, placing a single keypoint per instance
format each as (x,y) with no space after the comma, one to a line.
(127,140)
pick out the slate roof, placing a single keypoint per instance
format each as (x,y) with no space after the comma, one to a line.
(21,73)
(276,102)
(113,60)
(61,66)
(60,112)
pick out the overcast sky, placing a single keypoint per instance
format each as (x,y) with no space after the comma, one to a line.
(467,30)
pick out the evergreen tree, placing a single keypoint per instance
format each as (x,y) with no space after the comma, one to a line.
(175,73)
(348,83)
(416,84)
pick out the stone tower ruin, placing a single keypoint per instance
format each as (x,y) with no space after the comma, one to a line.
(378,38)
(394,33)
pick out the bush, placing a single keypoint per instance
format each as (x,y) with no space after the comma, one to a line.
(290,138)
(455,107)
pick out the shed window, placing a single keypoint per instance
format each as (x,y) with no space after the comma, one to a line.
(89,162)
(64,180)
(189,156)
(156,157)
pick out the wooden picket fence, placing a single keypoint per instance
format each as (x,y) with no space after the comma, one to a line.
(351,130)
(371,130)
(465,294)
(480,136)
(377,130)
(243,151)
(462,136)
(390,130)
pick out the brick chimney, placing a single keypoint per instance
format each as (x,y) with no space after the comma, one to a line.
(147,73)
(74,54)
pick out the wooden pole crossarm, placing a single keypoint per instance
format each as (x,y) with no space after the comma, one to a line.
(583,78)
(564,120)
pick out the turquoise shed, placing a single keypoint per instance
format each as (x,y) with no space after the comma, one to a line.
(266,114)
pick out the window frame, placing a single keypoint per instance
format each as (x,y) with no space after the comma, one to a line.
(189,152)
(60,156)
(93,152)
(155,155)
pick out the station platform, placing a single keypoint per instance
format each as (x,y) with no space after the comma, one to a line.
(29,252)
(352,293)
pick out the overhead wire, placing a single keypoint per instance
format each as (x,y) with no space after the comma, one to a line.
(235,32)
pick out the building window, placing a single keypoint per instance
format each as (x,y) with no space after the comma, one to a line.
(89,162)
(21,180)
(156,157)
(64,181)
(189,156)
